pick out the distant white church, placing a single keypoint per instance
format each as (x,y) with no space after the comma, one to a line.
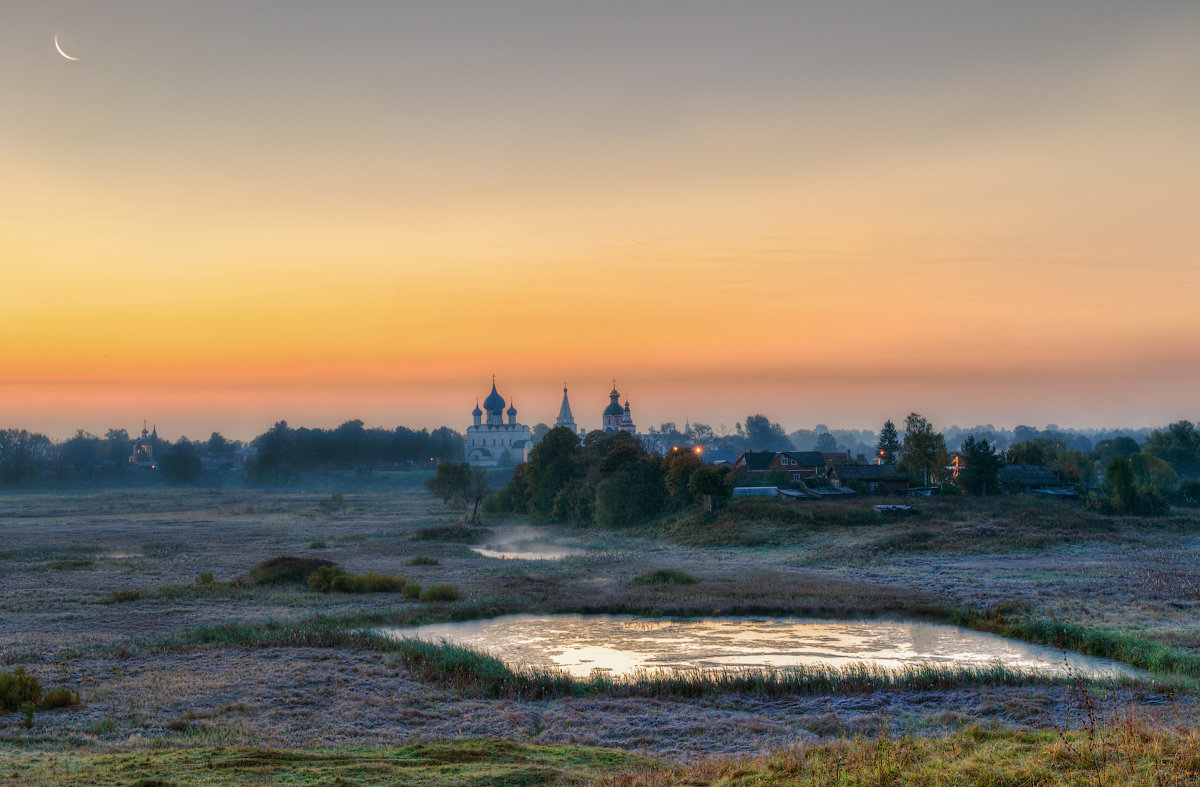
(495,442)
(617,418)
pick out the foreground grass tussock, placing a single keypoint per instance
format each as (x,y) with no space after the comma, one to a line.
(465,762)
(1124,751)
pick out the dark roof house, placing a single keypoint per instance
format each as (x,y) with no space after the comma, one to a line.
(755,461)
(877,478)
(1026,477)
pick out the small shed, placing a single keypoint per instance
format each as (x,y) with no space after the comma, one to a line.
(756,491)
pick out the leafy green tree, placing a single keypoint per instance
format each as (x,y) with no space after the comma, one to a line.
(826,443)
(1075,466)
(1120,485)
(1153,471)
(1029,452)
(981,464)
(1178,444)
(217,444)
(1121,447)
(888,447)
(923,452)
(452,479)
(629,488)
(709,480)
(553,463)
(681,465)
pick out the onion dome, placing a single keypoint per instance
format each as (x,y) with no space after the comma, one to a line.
(477,412)
(614,409)
(494,402)
(512,409)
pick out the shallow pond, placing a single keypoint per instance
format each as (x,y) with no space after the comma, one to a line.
(623,644)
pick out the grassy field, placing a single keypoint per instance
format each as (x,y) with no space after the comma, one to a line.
(142,601)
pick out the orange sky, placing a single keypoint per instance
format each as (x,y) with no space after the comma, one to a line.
(200,227)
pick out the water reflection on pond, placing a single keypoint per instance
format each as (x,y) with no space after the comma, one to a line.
(621,644)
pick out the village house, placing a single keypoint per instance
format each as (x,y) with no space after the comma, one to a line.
(875,478)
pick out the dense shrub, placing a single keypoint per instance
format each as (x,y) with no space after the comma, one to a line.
(285,569)
(119,596)
(412,590)
(440,593)
(423,560)
(666,576)
(17,689)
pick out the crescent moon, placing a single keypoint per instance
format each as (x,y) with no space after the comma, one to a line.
(60,49)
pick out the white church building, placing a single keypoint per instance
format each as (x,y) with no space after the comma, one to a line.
(494,442)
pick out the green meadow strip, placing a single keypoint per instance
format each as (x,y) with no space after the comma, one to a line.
(1128,647)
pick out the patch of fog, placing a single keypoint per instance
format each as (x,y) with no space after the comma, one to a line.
(620,645)
(525,543)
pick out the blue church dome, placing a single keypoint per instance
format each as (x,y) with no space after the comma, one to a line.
(494,403)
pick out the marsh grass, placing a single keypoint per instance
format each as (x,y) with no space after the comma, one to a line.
(423,560)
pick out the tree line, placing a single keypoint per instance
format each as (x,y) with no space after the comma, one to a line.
(279,455)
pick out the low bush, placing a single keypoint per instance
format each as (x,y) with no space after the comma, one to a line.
(317,545)
(423,560)
(411,590)
(666,576)
(335,502)
(66,565)
(287,569)
(460,534)
(18,689)
(331,579)
(120,596)
(205,578)
(440,593)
